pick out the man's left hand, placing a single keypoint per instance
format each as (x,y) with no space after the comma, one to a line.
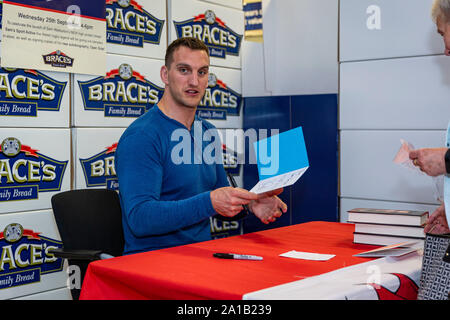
(268,206)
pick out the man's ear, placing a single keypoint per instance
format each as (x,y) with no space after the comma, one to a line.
(164,75)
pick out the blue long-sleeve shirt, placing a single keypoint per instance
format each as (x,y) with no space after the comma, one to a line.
(165,181)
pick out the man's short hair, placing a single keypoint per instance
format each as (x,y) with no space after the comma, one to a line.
(189,42)
(441,10)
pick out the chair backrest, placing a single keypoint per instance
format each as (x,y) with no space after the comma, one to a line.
(89,219)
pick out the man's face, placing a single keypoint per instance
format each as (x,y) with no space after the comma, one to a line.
(186,79)
(443,28)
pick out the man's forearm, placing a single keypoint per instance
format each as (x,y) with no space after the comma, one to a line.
(154,217)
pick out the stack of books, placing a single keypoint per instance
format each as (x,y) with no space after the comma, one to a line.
(386,226)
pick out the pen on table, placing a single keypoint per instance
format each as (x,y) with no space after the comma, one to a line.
(236,256)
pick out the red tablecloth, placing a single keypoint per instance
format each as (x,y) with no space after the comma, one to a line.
(191,272)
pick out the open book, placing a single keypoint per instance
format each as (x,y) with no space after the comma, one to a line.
(287,162)
(393,250)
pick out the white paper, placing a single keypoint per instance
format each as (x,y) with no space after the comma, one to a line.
(280,181)
(402,158)
(307,255)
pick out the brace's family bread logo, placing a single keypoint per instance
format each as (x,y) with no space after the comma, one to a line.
(58,59)
(99,170)
(123,92)
(25,256)
(218,37)
(231,161)
(24,92)
(219,100)
(24,172)
(128,23)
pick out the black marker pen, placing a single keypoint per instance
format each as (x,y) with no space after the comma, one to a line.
(234,185)
(236,256)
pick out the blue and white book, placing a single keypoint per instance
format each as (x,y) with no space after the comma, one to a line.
(281,159)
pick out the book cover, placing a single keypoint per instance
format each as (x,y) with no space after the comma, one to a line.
(394,250)
(281,160)
(388,216)
(389,211)
(386,229)
(381,240)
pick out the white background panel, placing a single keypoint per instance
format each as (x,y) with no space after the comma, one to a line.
(43,222)
(181,10)
(236,4)
(156,8)
(347,204)
(149,68)
(53,143)
(87,143)
(299,54)
(232,78)
(367,169)
(395,93)
(58,294)
(253,71)
(372,29)
(44,118)
(304,46)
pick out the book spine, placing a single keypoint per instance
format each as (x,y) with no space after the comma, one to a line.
(385,219)
(389,236)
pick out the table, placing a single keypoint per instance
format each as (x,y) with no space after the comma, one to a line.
(191,272)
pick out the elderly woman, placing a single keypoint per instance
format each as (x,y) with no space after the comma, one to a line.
(436,161)
(441,16)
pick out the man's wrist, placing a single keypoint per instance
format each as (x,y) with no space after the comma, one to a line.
(447,161)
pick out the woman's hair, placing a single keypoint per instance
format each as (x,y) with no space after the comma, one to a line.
(441,10)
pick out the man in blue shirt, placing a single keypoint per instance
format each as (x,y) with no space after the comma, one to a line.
(169,187)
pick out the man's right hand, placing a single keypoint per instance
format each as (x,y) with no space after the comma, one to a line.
(228,201)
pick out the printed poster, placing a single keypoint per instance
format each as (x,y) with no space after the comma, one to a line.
(253,21)
(54,35)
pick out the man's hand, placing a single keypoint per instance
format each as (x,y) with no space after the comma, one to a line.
(437,222)
(228,201)
(268,206)
(429,160)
